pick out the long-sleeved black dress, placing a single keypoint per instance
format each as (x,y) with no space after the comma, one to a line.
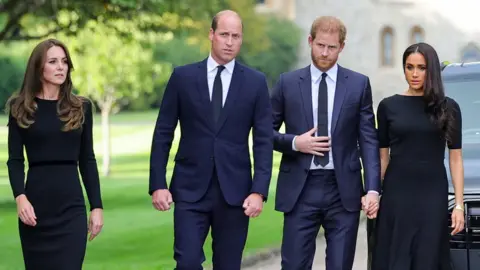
(412,226)
(58,241)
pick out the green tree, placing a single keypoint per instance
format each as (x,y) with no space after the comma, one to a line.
(111,72)
(13,61)
(38,19)
(11,75)
(282,52)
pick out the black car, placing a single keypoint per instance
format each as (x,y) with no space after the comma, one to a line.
(462,83)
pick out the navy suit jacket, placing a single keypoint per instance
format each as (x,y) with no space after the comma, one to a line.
(353,136)
(204,145)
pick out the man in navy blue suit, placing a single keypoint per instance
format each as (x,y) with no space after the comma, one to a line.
(329,124)
(218,102)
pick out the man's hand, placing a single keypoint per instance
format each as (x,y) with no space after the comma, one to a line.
(253,205)
(162,199)
(370,205)
(309,144)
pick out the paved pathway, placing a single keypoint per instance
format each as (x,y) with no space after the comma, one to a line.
(360,262)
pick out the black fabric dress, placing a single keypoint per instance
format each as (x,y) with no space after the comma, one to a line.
(58,241)
(412,230)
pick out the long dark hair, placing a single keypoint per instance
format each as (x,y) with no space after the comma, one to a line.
(436,103)
(22,105)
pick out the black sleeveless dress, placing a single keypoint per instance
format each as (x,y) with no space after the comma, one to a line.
(58,241)
(412,230)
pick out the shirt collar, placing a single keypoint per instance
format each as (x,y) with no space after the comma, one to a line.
(317,74)
(212,64)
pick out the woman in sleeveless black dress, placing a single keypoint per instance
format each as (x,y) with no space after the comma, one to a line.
(414,128)
(55,127)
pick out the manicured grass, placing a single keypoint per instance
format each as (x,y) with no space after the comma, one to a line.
(135,236)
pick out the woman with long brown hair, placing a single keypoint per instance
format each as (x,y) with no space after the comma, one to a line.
(414,130)
(55,127)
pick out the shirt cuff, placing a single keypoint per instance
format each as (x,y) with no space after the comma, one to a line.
(293,144)
(373,191)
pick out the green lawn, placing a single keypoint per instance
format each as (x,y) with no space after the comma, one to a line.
(135,236)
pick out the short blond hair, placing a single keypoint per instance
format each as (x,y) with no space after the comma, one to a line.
(329,24)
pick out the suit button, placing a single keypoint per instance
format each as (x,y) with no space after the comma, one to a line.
(211,158)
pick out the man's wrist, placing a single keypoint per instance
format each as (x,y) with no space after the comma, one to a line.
(258,194)
(293,144)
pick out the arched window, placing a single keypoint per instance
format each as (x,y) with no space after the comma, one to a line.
(470,53)
(387,40)
(417,35)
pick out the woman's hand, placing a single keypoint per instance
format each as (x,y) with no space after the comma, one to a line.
(458,221)
(95,223)
(25,210)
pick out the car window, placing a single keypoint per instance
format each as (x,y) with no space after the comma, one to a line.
(466,92)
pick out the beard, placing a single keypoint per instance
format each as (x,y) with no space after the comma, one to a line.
(322,63)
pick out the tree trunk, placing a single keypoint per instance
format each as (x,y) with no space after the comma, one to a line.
(106,140)
(106,104)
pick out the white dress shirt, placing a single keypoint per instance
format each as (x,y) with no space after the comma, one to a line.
(225,76)
(331,80)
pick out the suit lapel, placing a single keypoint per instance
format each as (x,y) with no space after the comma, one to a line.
(340,92)
(305,84)
(233,93)
(202,88)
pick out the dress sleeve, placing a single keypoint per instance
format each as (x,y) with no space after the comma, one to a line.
(455,141)
(382,125)
(16,160)
(87,161)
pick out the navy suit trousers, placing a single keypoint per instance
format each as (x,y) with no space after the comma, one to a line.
(192,222)
(319,205)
